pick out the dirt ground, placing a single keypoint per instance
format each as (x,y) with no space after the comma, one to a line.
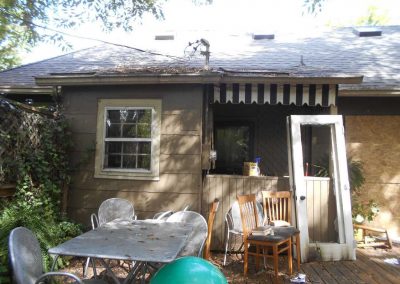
(233,270)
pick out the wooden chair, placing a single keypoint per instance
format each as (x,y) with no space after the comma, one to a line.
(211,215)
(278,207)
(277,243)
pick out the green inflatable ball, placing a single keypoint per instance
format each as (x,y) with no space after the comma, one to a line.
(189,270)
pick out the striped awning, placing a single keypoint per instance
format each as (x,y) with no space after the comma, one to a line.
(285,94)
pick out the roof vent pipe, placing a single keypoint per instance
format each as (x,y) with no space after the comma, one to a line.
(206,53)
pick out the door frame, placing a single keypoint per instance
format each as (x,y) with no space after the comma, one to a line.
(345,244)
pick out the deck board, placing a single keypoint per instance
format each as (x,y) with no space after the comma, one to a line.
(368,268)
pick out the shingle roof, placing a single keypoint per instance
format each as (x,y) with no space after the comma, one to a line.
(338,50)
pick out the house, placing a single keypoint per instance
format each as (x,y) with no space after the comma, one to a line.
(152,120)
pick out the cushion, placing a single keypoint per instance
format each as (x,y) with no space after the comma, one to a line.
(280,223)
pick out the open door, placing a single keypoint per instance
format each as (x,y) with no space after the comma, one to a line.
(342,247)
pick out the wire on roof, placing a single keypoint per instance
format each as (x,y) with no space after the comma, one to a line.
(94,39)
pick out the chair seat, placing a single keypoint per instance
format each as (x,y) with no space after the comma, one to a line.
(268,238)
(286,231)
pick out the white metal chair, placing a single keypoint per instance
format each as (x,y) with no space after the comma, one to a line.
(27,263)
(196,240)
(163,215)
(233,223)
(109,210)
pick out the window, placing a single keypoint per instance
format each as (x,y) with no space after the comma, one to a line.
(234,145)
(128,138)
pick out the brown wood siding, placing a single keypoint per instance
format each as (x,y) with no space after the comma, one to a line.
(375,140)
(180,151)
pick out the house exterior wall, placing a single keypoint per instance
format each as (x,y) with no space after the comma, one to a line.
(180,155)
(373,137)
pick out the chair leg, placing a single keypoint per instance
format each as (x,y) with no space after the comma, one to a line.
(298,253)
(257,258)
(276,262)
(246,258)
(290,258)
(226,247)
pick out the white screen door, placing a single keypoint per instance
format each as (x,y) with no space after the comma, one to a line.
(344,247)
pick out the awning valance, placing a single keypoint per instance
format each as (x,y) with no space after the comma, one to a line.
(286,94)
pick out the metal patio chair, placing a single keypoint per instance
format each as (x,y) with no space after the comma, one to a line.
(109,210)
(196,240)
(163,215)
(27,263)
(233,224)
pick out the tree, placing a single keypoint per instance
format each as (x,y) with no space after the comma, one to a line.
(23,23)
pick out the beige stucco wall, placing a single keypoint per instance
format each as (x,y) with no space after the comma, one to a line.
(375,140)
(180,162)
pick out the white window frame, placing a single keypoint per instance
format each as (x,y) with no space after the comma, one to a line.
(110,104)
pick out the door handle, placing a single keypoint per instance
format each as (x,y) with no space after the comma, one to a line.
(302,197)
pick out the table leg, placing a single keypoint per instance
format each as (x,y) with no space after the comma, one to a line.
(109,270)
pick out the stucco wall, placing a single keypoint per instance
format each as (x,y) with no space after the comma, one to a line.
(375,140)
(180,162)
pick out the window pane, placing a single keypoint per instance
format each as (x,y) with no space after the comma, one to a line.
(132,116)
(112,161)
(113,116)
(130,147)
(143,131)
(144,162)
(144,116)
(113,130)
(233,147)
(144,148)
(113,147)
(129,130)
(129,161)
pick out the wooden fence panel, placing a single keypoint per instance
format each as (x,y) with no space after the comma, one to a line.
(320,202)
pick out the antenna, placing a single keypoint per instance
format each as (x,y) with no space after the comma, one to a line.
(206,53)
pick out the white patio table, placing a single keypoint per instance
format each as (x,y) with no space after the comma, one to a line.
(141,241)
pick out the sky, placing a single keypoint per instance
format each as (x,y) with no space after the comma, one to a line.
(228,16)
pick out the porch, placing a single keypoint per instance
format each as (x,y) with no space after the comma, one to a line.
(369,267)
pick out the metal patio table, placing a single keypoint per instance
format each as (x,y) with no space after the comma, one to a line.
(141,241)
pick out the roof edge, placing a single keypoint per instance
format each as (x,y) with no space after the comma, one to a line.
(369,93)
(192,78)
(35,90)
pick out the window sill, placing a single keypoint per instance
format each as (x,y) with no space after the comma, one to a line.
(126,176)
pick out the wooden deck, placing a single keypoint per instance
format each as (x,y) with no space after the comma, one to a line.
(370,267)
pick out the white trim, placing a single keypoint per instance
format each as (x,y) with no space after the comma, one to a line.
(341,182)
(110,104)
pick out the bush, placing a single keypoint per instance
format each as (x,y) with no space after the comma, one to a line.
(34,156)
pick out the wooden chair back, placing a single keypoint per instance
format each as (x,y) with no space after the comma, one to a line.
(210,222)
(248,213)
(277,205)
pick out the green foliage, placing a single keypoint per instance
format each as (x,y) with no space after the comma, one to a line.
(374,17)
(313,6)
(25,23)
(35,158)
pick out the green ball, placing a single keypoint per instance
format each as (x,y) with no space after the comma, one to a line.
(189,270)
